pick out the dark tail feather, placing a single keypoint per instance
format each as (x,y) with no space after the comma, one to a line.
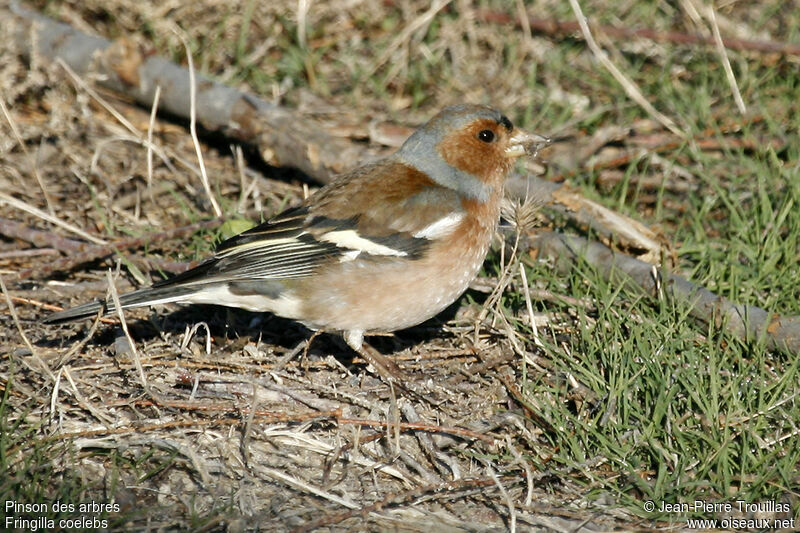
(76,313)
(140,298)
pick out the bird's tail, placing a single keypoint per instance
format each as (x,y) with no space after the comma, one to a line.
(140,298)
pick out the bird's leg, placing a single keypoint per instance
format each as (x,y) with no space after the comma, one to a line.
(386,369)
(389,371)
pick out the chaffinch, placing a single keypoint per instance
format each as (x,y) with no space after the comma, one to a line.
(384,247)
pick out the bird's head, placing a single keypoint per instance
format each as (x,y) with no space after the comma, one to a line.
(469,148)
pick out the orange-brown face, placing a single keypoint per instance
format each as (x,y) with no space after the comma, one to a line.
(467,148)
(479,148)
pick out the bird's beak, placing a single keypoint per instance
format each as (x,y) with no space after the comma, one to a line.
(524,143)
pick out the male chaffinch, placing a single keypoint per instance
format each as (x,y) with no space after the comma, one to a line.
(384,247)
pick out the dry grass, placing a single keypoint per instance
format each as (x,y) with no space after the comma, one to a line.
(227,425)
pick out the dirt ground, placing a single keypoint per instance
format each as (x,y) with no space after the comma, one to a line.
(218,419)
(211,419)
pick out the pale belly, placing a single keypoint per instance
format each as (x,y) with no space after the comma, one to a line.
(390,294)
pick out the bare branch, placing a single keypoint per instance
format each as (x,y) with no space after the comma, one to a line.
(746,322)
(282,137)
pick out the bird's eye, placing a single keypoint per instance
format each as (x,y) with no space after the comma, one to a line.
(486,136)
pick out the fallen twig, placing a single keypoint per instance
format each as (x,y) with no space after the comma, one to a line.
(283,137)
(746,322)
(557,27)
(442,490)
(431,428)
(266,416)
(39,238)
(86,253)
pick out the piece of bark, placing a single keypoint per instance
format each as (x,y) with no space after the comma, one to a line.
(746,322)
(282,137)
(78,252)
(39,238)
(612,227)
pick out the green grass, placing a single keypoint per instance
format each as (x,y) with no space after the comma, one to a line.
(673,411)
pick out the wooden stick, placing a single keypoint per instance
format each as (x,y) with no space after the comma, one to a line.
(554,27)
(746,322)
(282,137)
(87,253)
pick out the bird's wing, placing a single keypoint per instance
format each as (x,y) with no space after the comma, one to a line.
(281,248)
(367,213)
